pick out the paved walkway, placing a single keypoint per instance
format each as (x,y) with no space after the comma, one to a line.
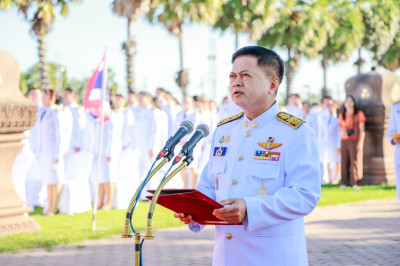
(365,233)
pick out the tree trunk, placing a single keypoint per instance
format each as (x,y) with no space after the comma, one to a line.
(324,64)
(236,41)
(180,50)
(291,67)
(129,47)
(182,78)
(289,78)
(359,62)
(43,66)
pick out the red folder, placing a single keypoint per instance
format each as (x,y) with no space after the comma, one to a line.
(191,202)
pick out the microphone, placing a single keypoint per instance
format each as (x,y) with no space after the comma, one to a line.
(185,128)
(201,132)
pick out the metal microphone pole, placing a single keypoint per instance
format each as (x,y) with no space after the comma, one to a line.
(128,216)
(185,163)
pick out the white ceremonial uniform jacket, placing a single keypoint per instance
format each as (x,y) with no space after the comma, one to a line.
(51,133)
(146,135)
(247,155)
(75,125)
(394,127)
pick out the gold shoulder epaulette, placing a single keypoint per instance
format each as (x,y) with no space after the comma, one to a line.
(289,119)
(126,109)
(59,109)
(230,119)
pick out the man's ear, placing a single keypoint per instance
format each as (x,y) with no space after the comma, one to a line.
(274,84)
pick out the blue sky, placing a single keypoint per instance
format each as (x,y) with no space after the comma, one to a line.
(79,39)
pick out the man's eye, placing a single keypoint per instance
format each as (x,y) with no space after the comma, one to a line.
(232,76)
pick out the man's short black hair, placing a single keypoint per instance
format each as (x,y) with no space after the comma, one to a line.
(265,58)
(327,97)
(295,95)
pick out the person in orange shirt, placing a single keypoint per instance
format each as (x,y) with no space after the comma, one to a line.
(352,126)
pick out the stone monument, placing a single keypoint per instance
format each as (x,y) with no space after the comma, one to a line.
(17,114)
(375,94)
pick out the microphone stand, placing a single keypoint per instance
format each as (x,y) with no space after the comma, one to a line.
(128,216)
(186,162)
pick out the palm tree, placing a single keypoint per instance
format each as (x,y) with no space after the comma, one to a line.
(173,15)
(298,31)
(344,39)
(42,20)
(381,21)
(391,58)
(131,10)
(253,17)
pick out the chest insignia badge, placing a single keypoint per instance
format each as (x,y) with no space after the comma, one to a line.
(262,190)
(224,139)
(267,155)
(269,145)
(219,151)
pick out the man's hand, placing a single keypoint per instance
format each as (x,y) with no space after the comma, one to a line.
(108,159)
(233,212)
(187,219)
(77,149)
(396,140)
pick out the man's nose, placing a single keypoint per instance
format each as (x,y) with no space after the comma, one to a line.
(237,82)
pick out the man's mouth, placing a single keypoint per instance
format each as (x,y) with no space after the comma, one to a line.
(236,93)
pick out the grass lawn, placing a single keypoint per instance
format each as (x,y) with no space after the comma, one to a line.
(65,229)
(333,195)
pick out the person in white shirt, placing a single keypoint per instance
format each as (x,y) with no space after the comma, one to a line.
(322,117)
(189,113)
(331,142)
(147,136)
(394,138)
(227,109)
(75,119)
(51,148)
(132,102)
(310,117)
(294,106)
(263,168)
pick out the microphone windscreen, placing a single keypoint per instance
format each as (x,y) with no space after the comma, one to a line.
(187,125)
(203,128)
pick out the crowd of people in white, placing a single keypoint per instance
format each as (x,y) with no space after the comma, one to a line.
(62,157)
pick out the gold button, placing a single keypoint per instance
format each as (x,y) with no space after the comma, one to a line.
(228,236)
(234,182)
(254,125)
(247,134)
(245,124)
(240,157)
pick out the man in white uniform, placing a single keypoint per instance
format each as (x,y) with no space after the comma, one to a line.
(394,138)
(190,113)
(147,138)
(51,148)
(75,120)
(295,105)
(263,167)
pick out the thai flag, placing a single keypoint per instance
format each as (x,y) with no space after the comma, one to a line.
(94,93)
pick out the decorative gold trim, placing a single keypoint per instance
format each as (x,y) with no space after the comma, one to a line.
(289,119)
(230,119)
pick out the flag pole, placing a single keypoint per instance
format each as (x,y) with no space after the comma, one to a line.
(103,97)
